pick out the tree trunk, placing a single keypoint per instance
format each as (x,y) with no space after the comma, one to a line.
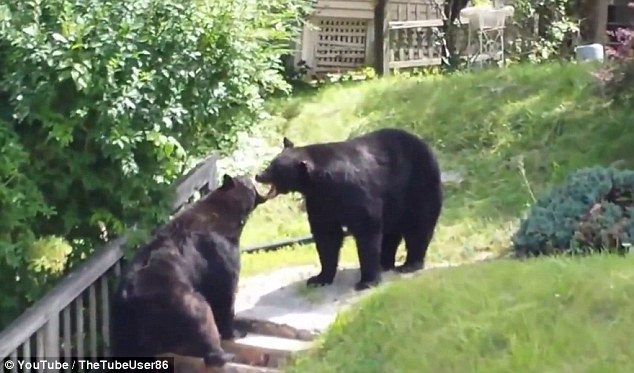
(594,15)
(380,14)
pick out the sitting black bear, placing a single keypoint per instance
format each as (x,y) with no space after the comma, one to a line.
(177,296)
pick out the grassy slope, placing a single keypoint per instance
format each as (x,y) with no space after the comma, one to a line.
(504,316)
(496,317)
(484,124)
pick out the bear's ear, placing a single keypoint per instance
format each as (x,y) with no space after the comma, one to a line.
(305,168)
(288,143)
(227,182)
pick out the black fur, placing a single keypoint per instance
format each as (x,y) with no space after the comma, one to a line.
(383,186)
(177,296)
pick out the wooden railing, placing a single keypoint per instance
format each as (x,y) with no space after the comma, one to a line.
(72,320)
(418,44)
(413,44)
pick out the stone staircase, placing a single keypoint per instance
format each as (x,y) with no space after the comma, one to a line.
(280,321)
(263,350)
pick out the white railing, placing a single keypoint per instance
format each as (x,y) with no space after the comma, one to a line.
(72,320)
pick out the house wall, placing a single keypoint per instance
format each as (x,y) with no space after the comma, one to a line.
(414,10)
(345,36)
(344,9)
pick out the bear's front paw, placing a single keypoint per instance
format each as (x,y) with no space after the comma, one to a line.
(239,333)
(218,358)
(319,280)
(234,333)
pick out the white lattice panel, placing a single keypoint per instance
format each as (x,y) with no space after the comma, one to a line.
(414,10)
(340,44)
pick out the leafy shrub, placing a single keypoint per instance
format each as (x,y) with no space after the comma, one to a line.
(592,210)
(48,255)
(618,75)
(103,103)
(556,23)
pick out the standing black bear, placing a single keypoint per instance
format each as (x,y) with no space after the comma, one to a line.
(383,186)
(178,294)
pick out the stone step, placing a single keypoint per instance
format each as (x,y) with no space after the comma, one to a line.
(242,368)
(266,327)
(188,364)
(264,350)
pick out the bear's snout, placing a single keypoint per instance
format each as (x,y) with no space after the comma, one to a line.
(262,177)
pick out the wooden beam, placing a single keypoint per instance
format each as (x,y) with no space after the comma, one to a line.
(601,9)
(381,37)
(397,25)
(415,63)
(594,15)
(386,38)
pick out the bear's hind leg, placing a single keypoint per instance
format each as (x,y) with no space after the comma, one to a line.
(203,339)
(224,313)
(420,232)
(328,242)
(416,245)
(388,250)
(221,283)
(369,252)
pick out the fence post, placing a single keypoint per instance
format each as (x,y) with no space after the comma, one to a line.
(213,177)
(51,337)
(386,39)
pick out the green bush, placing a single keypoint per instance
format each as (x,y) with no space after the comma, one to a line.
(592,210)
(556,23)
(103,104)
(617,75)
(48,255)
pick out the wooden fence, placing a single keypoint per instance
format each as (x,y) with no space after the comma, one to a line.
(72,320)
(410,44)
(413,44)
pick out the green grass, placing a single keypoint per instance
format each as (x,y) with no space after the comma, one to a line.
(553,315)
(513,132)
(291,256)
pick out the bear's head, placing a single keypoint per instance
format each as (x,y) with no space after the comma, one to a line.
(225,210)
(241,190)
(235,199)
(288,172)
